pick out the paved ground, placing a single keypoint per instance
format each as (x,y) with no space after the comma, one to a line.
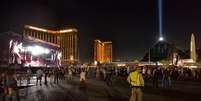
(98,91)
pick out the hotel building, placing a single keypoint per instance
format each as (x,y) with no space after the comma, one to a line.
(102,51)
(67,39)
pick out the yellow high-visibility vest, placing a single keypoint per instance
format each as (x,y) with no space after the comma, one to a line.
(135,79)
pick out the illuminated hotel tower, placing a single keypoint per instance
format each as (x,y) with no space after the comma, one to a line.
(98,51)
(102,51)
(107,51)
(67,40)
(193,48)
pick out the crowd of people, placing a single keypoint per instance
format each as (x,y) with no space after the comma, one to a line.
(159,76)
(53,75)
(12,79)
(163,76)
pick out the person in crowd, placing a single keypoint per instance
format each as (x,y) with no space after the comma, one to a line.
(60,74)
(29,74)
(136,81)
(181,73)
(108,77)
(166,81)
(56,76)
(127,70)
(63,74)
(2,87)
(149,75)
(51,75)
(70,74)
(157,77)
(193,72)
(97,73)
(104,73)
(82,79)
(12,87)
(39,75)
(46,76)
(116,71)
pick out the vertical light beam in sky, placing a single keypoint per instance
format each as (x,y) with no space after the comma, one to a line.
(160,18)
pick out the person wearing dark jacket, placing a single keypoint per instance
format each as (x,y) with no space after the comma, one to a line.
(157,77)
(46,75)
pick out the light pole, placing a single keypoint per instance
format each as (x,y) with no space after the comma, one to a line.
(149,56)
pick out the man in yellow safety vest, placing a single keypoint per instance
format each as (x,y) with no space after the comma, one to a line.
(135,79)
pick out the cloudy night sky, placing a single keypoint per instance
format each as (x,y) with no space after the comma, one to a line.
(132,25)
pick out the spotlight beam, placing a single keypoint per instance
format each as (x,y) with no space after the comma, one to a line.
(160,15)
(160,19)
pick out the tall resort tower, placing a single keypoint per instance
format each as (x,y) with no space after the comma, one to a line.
(193,48)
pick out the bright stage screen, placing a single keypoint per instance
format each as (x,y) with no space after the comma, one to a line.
(33,55)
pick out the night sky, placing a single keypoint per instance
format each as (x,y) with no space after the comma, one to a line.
(132,25)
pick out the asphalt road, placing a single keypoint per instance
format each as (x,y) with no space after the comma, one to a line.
(97,90)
